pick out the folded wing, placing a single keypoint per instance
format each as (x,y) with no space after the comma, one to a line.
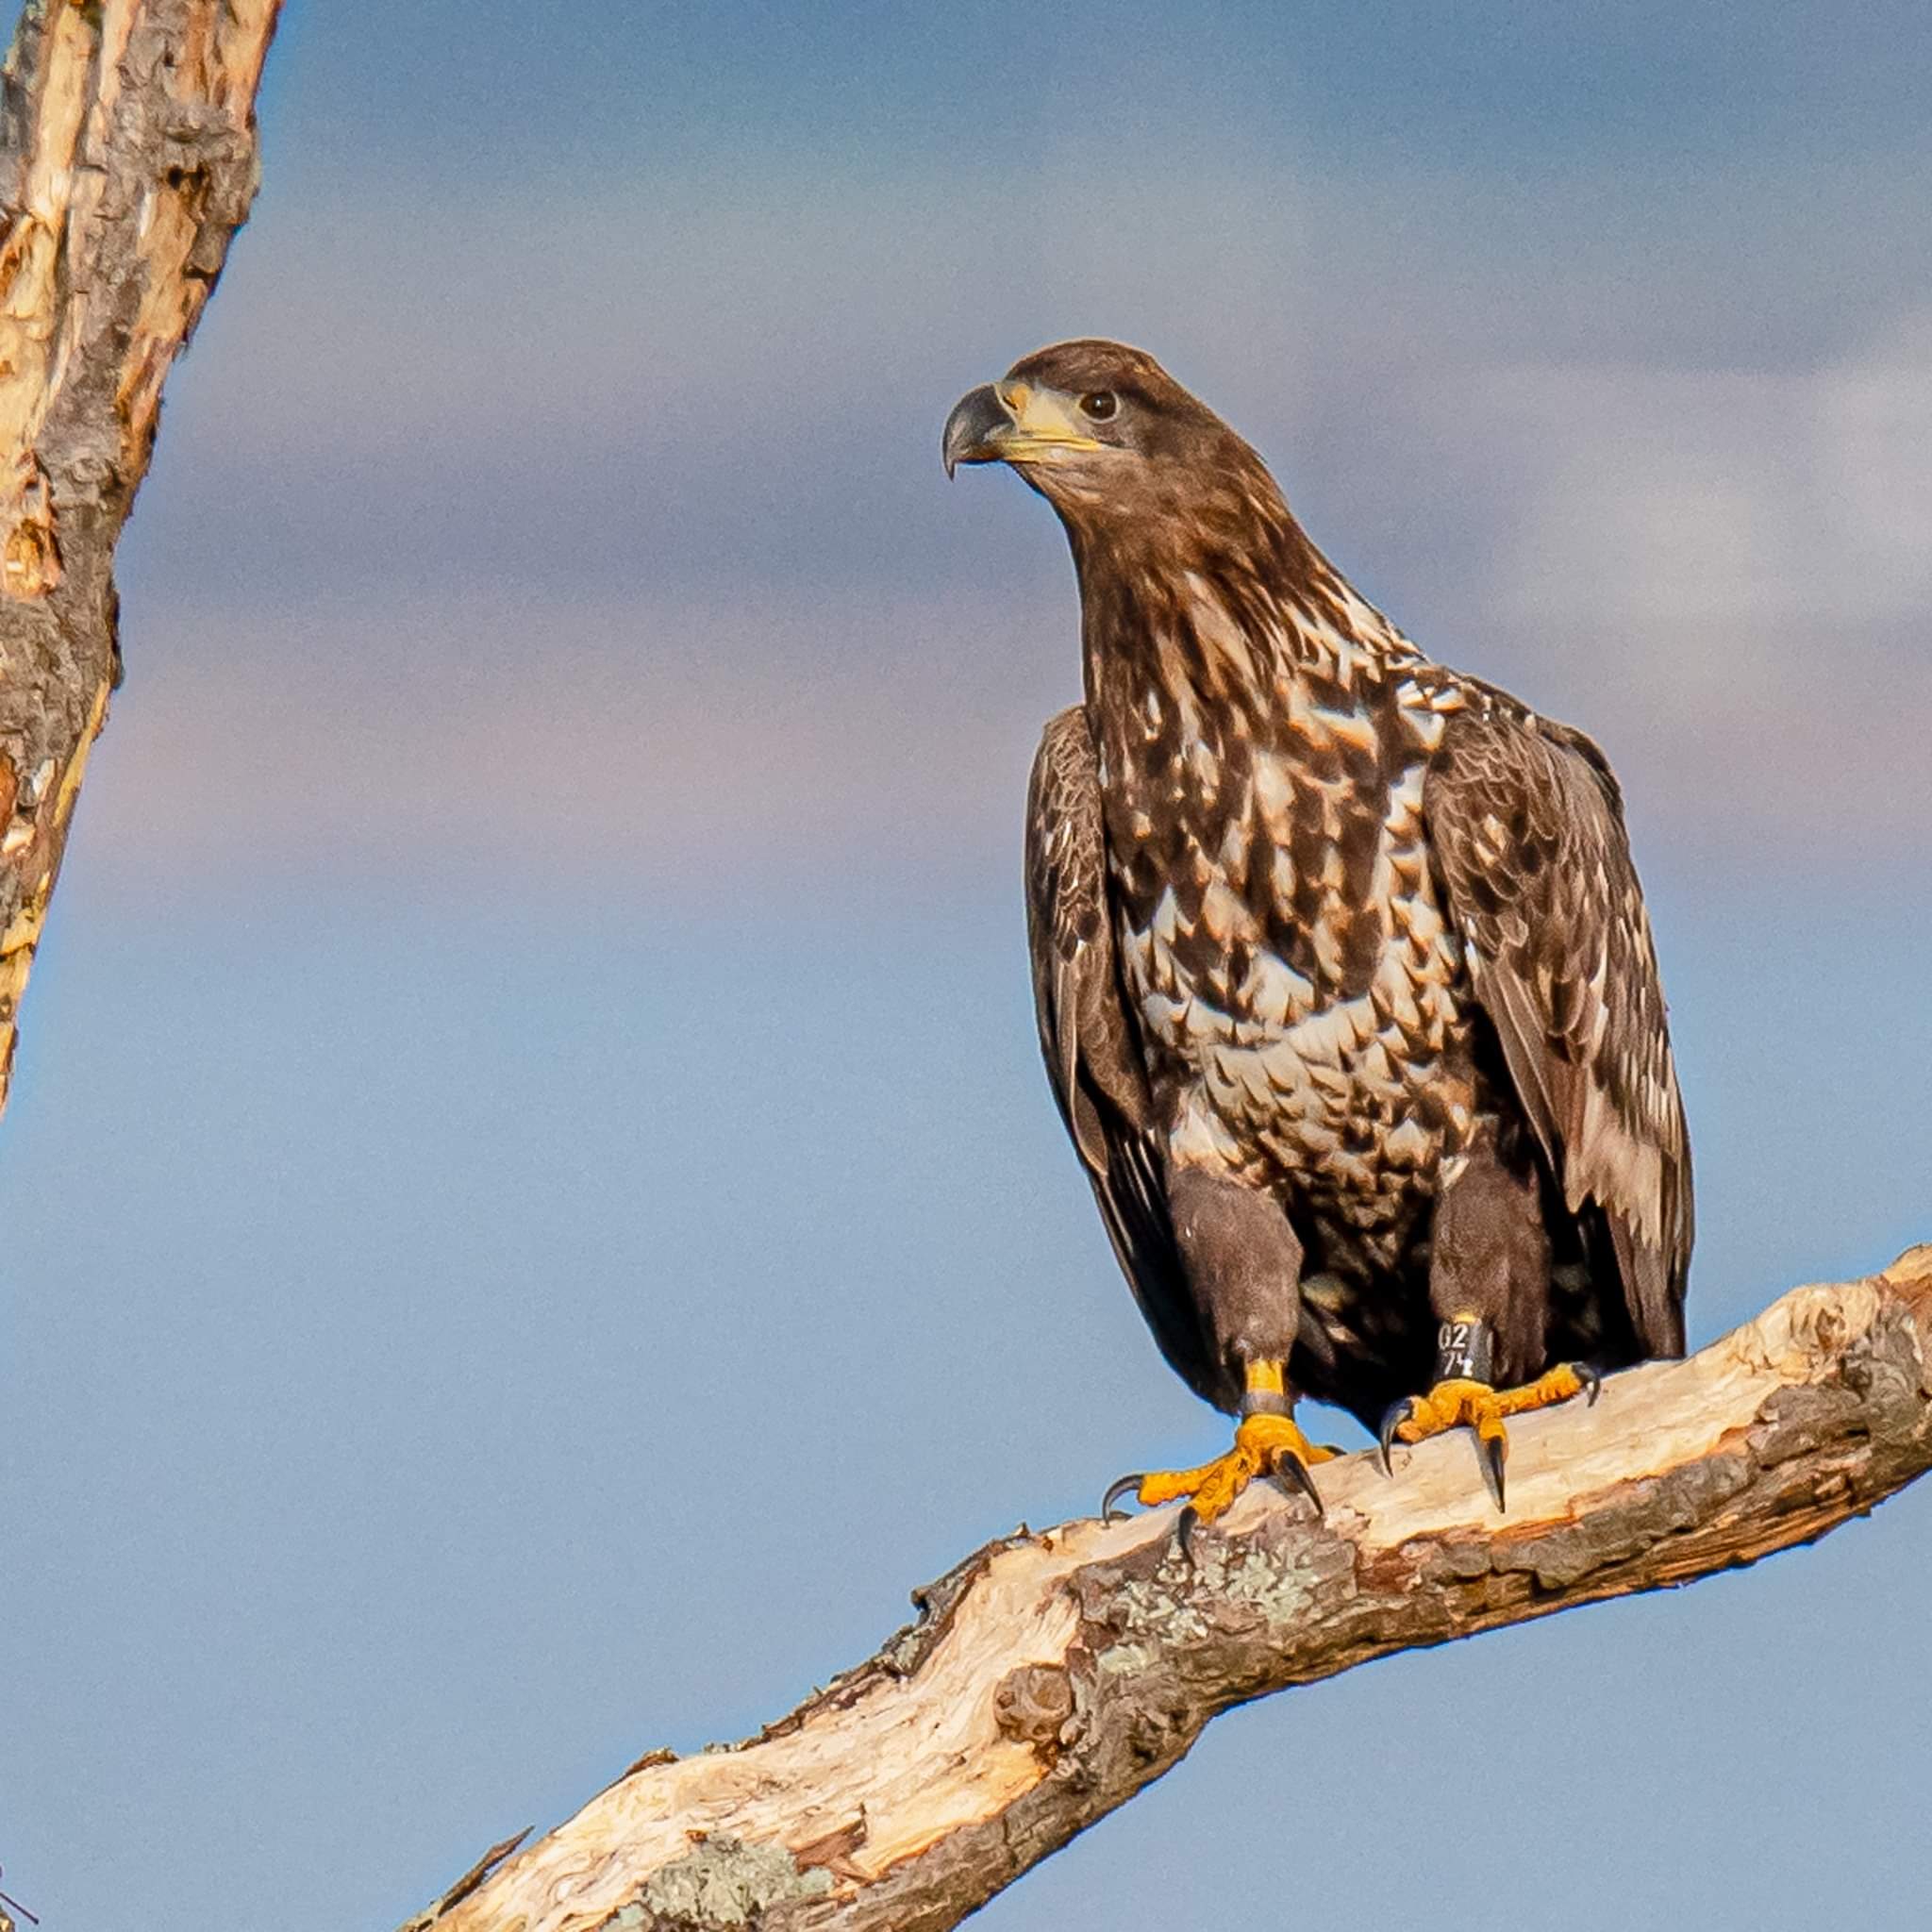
(1526,828)
(1090,1040)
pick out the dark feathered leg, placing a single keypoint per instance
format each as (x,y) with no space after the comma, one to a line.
(1489,1289)
(1243,1264)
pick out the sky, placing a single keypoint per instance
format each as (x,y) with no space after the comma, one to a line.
(529,1086)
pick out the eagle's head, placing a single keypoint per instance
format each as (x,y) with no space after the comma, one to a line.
(1114,444)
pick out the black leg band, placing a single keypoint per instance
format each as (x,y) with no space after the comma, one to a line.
(1465,1351)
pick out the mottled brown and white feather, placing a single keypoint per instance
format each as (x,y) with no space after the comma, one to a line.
(1090,1041)
(1526,830)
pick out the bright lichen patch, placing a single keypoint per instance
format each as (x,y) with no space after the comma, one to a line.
(721,1883)
(1278,1582)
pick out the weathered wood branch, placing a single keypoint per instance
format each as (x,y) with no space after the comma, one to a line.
(1051,1676)
(127,161)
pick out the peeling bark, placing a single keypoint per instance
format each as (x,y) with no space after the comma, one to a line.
(1050,1676)
(127,159)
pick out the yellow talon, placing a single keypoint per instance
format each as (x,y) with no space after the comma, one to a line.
(1266,1443)
(1259,1443)
(1461,1402)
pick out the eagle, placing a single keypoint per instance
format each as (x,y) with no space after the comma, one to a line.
(1344,981)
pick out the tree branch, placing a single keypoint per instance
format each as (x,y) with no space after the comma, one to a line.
(1051,1676)
(127,161)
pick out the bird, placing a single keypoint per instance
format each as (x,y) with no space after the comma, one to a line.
(1344,981)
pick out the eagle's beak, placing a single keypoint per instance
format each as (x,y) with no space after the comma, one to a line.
(1013,422)
(979,422)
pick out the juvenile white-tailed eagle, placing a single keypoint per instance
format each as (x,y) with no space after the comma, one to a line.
(1343,975)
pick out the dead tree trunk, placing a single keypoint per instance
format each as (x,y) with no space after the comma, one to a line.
(129,162)
(1051,1676)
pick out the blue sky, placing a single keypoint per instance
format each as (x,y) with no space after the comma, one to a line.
(539,955)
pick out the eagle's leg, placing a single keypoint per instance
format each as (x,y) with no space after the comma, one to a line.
(1243,1263)
(1489,1289)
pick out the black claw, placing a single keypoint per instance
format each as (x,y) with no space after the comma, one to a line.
(1184,1533)
(1290,1474)
(1592,1382)
(1114,1496)
(1397,1414)
(1491,1450)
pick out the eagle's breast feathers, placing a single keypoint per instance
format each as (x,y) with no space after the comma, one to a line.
(1299,990)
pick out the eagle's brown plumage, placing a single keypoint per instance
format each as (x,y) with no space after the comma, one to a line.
(1326,935)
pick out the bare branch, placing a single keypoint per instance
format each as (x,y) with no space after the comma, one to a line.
(1050,1676)
(127,159)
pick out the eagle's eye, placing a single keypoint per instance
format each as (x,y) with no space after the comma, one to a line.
(1100,404)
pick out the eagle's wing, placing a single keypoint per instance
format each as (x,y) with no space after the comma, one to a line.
(1086,1033)
(1526,826)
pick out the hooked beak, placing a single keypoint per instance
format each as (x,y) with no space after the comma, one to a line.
(975,428)
(1013,422)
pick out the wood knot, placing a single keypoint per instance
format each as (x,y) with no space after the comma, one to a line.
(1033,1703)
(1830,1331)
(30,557)
(833,1850)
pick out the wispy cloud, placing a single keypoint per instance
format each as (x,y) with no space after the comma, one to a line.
(691,380)
(611,532)
(678,748)
(662,742)
(1645,496)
